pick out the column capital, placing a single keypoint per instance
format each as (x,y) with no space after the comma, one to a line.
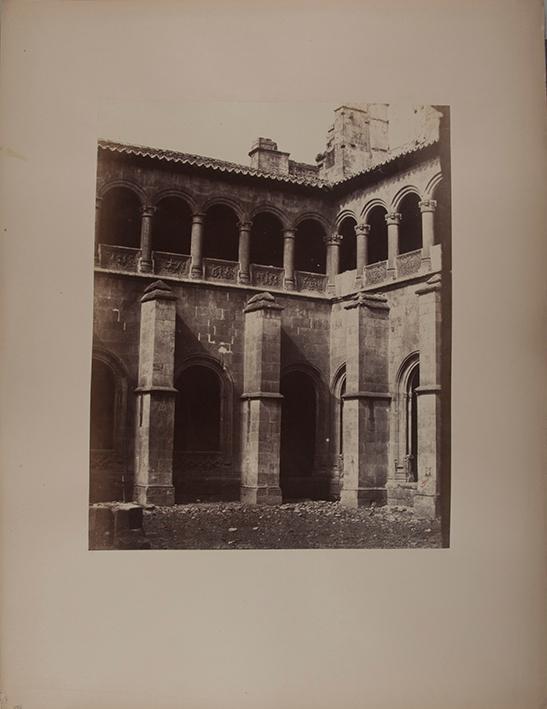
(333,239)
(393,218)
(289,233)
(147,210)
(245,226)
(198,217)
(98,202)
(427,205)
(362,228)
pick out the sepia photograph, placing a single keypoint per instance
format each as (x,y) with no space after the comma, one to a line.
(272,332)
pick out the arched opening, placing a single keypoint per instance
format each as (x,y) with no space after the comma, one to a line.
(267,240)
(298,433)
(377,238)
(410,228)
(197,410)
(221,233)
(172,226)
(120,218)
(348,245)
(103,402)
(309,252)
(341,417)
(412,424)
(442,217)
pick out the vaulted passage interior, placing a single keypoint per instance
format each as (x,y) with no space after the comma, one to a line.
(172,226)
(348,257)
(410,230)
(120,221)
(377,239)
(197,410)
(298,435)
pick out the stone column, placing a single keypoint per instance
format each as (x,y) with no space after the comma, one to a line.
(427,208)
(393,219)
(333,260)
(156,397)
(244,251)
(426,500)
(145,261)
(98,203)
(261,401)
(196,246)
(361,234)
(288,257)
(366,401)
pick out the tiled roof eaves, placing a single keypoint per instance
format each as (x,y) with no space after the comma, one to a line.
(382,169)
(208,163)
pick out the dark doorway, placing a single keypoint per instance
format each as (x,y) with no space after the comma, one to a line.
(103,399)
(267,240)
(298,425)
(221,233)
(120,218)
(309,253)
(412,424)
(410,228)
(197,410)
(348,246)
(377,238)
(172,226)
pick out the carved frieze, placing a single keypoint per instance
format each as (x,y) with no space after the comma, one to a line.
(267,276)
(166,264)
(119,258)
(315,282)
(410,263)
(218,270)
(376,273)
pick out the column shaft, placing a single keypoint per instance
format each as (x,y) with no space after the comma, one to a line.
(196,246)
(393,220)
(288,258)
(333,260)
(427,208)
(244,249)
(361,234)
(145,262)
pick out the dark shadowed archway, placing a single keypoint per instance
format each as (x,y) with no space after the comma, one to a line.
(310,250)
(410,229)
(120,218)
(197,410)
(267,240)
(348,246)
(377,238)
(172,226)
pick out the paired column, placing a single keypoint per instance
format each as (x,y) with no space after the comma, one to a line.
(393,219)
(333,260)
(156,397)
(145,261)
(196,246)
(261,401)
(426,500)
(366,401)
(244,251)
(361,235)
(288,257)
(427,208)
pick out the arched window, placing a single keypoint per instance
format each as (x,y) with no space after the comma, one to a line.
(221,233)
(309,252)
(410,228)
(377,238)
(103,403)
(443,218)
(267,240)
(120,218)
(197,410)
(298,432)
(172,226)
(348,246)
(412,423)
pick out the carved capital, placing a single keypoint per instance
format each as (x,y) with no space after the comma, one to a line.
(198,218)
(427,205)
(245,226)
(148,211)
(393,218)
(288,233)
(333,239)
(362,229)
(98,202)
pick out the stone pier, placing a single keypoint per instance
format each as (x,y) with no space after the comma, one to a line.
(366,401)
(156,397)
(261,401)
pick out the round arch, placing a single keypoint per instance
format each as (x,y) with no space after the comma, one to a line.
(223,202)
(106,187)
(431,187)
(343,215)
(177,193)
(406,418)
(315,216)
(372,204)
(401,194)
(268,208)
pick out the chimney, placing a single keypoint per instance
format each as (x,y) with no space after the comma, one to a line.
(266,157)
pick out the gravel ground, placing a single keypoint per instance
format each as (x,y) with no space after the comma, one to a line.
(300,525)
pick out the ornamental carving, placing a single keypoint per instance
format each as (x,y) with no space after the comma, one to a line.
(171,264)
(333,239)
(410,263)
(119,258)
(267,277)
(427,205)
(221,270)
(316,282)
(376,273)
(393,218)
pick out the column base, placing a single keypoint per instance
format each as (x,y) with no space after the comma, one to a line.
(427,506)
(289,285)
(145,266)
(154,495)
(196,272)
(244,278)
(426,263)
(363,496)
(390,274)
(261,495)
